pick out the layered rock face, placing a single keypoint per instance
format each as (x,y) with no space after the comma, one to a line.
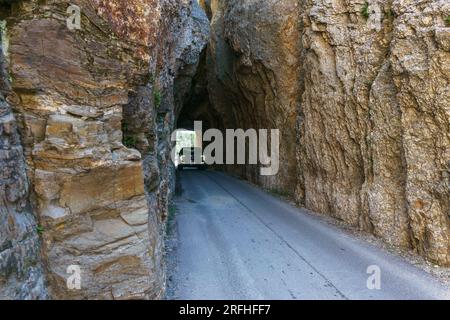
(21,271)
(95,108)
(360,93)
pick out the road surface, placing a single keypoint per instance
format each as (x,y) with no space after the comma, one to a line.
(235,241)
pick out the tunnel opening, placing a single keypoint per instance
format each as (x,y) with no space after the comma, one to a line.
(193,102)
(253,77)
(227,94)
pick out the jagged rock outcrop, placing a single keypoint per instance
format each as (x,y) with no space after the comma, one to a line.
(95,107)
(362,89)
(420,56)
(21,271)
(191,49)
(380,159)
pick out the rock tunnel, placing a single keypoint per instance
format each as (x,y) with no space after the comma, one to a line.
(344,107)
(364,131)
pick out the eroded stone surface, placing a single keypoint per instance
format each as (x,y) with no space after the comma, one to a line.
(21,271)
(254,75)
(96,109)
(365,98)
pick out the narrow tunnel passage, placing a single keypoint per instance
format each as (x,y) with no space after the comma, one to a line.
(347,147)
(274,73)
(338,109)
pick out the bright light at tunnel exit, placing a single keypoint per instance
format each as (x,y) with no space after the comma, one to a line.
(241,147)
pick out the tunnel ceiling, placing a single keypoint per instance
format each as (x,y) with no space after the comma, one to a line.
(195,104)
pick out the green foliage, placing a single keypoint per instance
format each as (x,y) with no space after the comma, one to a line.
(447,20)
(157,98)
(185,139)
(40,229)
(129,141)
(365,10)
(390,14)
(151,78)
